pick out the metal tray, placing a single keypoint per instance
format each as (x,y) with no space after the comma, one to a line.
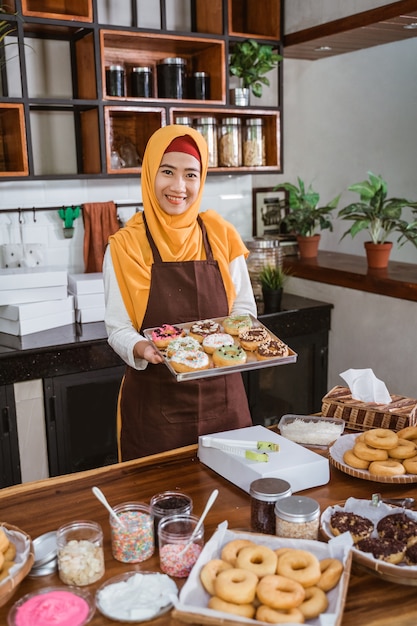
(251,364)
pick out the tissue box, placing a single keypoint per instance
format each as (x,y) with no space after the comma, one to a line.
(399,413)
(301,467)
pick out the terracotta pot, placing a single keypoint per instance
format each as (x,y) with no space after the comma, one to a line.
(308,246)
(377,254)
(272,300)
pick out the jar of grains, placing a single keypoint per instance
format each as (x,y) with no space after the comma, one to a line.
(230,142)
(133,540)
(176,558)
(184,120)
(168,503)
(80,553)
(264,493)
(207,126)
(297,517)
(253,143)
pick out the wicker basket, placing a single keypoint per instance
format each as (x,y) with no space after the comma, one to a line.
(10,584)
(398,414)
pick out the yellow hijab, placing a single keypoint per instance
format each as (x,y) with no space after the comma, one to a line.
(177,237)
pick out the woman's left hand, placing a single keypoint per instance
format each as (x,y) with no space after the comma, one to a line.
(146,350)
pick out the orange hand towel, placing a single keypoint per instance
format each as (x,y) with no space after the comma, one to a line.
(100,221)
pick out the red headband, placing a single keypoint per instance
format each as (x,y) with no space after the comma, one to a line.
(186,144)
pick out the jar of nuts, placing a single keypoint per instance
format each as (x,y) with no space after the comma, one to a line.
(230,143)
(297,517)
(80,553)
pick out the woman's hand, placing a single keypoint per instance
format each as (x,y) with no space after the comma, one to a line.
(146,350)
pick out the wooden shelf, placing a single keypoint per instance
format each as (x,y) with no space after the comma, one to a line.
(74,10)
(13,149)
(249,18)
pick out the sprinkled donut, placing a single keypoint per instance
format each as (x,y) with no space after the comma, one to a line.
(217,340)
(201,329)
(229,355)
(164,334)
(182,343)
(252,338)
(235,323)
(189,360)
(271,349)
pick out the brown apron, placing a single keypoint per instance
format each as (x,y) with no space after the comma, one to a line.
(157,412)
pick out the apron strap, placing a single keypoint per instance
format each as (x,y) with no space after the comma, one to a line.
(157,257)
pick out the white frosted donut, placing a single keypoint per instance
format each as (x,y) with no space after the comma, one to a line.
(189,360)
(182,343)
(217,340)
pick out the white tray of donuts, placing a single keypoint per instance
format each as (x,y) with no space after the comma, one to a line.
(212,594)
(383,537)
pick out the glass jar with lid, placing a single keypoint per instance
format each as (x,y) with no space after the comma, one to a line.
(141,82)
(230,142)
(253,142)
(184,120)
(80,553)
(264,493)
(207,126)
(297,517)
(263,251)
(172,78)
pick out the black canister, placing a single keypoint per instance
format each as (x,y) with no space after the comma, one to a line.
(200,86)
(171,78)
(264,493)
(141,82)
(115,80)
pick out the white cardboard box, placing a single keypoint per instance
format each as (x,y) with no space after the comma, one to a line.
(37,324)
(86,283)
(38,294)
(29,310)
(89,300)
(21,285)
(301,467)
(92,314)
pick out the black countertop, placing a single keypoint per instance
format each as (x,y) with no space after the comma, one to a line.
(84,347)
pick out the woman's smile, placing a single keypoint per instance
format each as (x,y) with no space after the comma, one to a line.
(177,182)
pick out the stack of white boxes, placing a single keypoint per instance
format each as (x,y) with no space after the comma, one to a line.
(88,292)
(33,300)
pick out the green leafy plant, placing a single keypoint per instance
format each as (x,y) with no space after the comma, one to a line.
(379,215)
(68,215)
(250,61)
(305,217)
(6,29)
(272,277)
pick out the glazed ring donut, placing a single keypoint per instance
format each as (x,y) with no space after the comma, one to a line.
(352,460)
(4,542)
(229,355)
(260,560)
(231,550)
(209,573)
(331,571)
(274,616)
(243,610)
(279,592)
(236,585)
(381,438)
(315,602)
(410,465)
(404,450)
(367,453)
(386,468)
(301,566)
(409,432)
(10,553)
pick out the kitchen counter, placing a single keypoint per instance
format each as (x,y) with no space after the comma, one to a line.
(370,600)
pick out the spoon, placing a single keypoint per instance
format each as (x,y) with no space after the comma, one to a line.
(100,496)
(406,503)
(207,508)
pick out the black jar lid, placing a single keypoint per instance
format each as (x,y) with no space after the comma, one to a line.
(267,489)
(173,61)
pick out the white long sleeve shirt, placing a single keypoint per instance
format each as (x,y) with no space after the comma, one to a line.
(122,336)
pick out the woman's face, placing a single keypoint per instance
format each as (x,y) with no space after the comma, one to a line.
(177,182)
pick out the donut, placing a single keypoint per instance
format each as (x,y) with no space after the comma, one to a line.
(189,360)
(4,541)
(350,458)
(404,450)
(231,550)
(344,521)
(252,338)
(243,610)
(381,438)
(301,566)
(331,571)
(383,549)
(4,570)
(271,349)
(236,585)
(410,465)
(164,334)
(209,573)
(229,355)
(182,343)
(235,323)
(217,340)
(410,555)
(390,467)
(409,432)
(367,453)
(1,560)
(274,616)
(398,526)
(314,603)
(280,592)
(10,553)
(199,330)
(260,560)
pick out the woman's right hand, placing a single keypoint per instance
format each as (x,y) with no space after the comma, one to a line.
(146,350)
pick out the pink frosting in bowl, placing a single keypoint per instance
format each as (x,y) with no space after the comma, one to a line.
(53,606)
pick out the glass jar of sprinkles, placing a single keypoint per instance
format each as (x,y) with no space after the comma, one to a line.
(174,533)
(134,541)
(169,503)
(80,553)
(297,517)
(264,493)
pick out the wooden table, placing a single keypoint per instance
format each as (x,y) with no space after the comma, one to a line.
(45,505)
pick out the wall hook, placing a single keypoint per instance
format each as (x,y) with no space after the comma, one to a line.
(21,220)
(34,214)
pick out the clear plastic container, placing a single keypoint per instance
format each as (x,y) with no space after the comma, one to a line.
(168,503)
(263,251)
(207,126)
(134,541)
(310,430)
(174,533)
(253,143)
(230,142)
(297,517)
(80,553)
(264,493)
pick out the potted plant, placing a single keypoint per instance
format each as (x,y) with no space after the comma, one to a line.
(381,217)
(272,279)
(68,215)
(305,217)
(250,61)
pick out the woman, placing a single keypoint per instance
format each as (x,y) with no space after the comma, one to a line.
(171,265)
